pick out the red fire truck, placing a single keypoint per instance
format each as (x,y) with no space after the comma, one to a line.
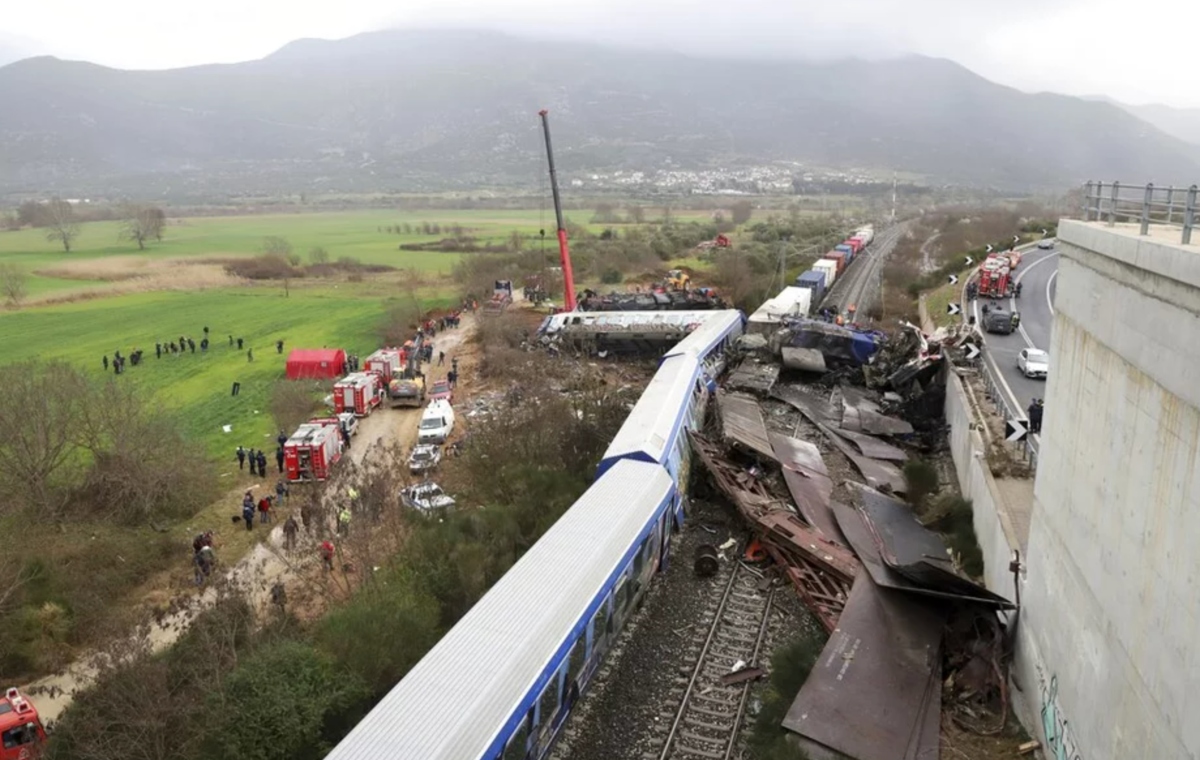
(358,392)
(388,362)
(995,280)
(312,450)
(21,732)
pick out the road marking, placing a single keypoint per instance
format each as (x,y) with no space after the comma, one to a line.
(1049,300)
(1013,301)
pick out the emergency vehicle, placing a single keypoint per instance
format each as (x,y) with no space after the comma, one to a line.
(995,279)
(312,450)
(358,392)
(21,731)
(388,362)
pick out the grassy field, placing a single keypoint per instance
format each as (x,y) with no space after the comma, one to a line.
(363,235)
(198,386)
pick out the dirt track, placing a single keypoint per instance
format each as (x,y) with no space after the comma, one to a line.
(268,562)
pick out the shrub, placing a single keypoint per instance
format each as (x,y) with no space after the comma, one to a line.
(790,667)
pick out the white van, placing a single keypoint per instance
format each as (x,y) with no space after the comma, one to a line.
(436,422)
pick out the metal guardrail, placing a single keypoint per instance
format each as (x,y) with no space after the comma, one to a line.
(1143,204)
(1028,447)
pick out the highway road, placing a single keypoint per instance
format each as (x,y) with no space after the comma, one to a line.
(1038,275)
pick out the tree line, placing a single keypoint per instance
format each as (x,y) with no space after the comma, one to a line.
(62,220)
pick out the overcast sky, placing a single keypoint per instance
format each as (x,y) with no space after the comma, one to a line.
(1136,52)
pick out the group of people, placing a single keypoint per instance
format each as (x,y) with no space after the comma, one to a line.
(118,361)
(258,459)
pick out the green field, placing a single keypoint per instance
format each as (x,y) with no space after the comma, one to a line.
(197,386)
(359,234)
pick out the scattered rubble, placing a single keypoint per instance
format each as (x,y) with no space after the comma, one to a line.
(910,635)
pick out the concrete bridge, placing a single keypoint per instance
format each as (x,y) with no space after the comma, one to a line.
(1108,654)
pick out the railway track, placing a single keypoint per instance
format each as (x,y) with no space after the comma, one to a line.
(861,282)
(706,723)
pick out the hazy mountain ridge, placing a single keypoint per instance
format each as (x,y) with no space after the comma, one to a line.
(1183,123)
(388,109)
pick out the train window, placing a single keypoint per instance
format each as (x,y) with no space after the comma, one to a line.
(517,744)
(639,560)
(548,704)
(598,623)
(575,662)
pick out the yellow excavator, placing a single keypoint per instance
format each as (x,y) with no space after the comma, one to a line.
(677,279)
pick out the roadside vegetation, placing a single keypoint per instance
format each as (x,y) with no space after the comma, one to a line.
(948,238)
(790,666)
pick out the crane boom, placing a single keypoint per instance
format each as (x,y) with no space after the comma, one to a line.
(564,252)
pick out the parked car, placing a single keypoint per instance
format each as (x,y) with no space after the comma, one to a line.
(424,457)
(1034,363)
(436,423)
(441,391)
(426,497)
(349,422)
(998,320)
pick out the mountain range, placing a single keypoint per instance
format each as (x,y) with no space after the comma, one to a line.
(443,109)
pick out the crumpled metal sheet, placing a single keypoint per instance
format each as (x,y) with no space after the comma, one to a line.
(815,408)
(803,359)
(742,422)
(911,550)
(881,424)
(754,377)
(871,692)
(877,474)
(873,447)
(808,481)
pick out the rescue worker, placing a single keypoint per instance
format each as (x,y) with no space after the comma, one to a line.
(290,529)
(327,555)
(241,457)
(281,438)
(248,511)
(279,346)
(1035,416)
(249,354)
(441,358)
(157,350)
(264,510)
(1018,290)
(281,490)
(105,360)
(345,436)
(279,596)
(191,345)
(202,540)
(239,344)
(204,561)
(262,464)
(1016,319)
(279,458)
(343,522)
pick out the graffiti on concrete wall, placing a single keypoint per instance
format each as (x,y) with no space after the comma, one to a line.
(1060,741)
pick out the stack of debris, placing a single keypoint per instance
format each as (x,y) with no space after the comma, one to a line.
(657,300)
(902,620)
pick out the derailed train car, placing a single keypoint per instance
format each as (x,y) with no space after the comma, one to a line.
(502,682)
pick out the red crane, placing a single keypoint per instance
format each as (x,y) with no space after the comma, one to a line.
(563,252)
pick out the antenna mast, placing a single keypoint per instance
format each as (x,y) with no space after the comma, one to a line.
(564,252)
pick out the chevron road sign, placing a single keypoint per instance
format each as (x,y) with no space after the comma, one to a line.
(1015,430)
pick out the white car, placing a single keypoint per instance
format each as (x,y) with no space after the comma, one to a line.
(426,497)
(424,457)
(348,422)
(1034,363)
(1046,245)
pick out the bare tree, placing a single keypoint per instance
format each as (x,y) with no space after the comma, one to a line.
(273,245)
(318,255)
(13,282)
(61,224)
(141,223)
(636,214)
(40,409)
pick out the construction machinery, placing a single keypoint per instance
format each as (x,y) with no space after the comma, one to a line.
(677,279)
(502,296)
(720,241)
(569,302)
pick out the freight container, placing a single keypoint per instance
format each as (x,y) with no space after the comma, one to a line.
(814,281)
(846,250)
(827,268)
(791,302)
(839,260)
(855,244)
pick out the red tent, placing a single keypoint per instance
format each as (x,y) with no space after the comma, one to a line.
(315,362)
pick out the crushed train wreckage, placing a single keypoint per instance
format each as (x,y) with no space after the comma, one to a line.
(910,636)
